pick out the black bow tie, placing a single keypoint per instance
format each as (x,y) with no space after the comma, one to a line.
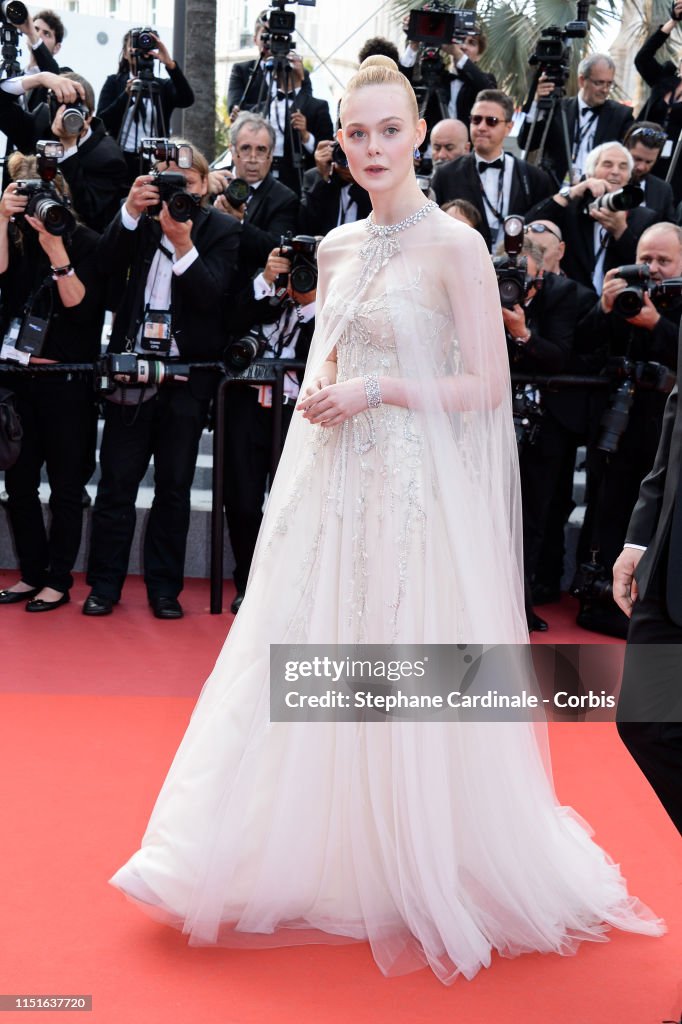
(592,110)
(285,95)
(497,164)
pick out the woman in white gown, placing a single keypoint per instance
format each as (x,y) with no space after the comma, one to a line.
(394,517)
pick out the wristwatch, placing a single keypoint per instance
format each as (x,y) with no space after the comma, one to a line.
(565,192)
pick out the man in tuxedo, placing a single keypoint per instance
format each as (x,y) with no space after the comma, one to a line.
(448,140)
(645,140)
(251,86)
(651,336)
(647,586)
(455,91)
(596,240)
(175,282)
(591,119)
(271,209)
(284,327)
(44,34)
(92,164)
(496,183)
(331,196)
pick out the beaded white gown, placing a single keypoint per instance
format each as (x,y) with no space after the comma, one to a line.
(436,842)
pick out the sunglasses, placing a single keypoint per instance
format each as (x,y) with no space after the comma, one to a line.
(540,229)
(656,136)
(489,120)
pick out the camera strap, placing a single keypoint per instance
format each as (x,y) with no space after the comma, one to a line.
(497,212)
(581,132)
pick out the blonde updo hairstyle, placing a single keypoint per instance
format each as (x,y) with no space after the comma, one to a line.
(380,70)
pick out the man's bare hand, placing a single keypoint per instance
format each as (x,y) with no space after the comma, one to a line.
(624,583)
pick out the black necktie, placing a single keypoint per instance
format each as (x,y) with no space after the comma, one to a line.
(286,95)
(483,166)
(356,193)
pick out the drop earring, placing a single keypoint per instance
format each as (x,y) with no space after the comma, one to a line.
(417,154)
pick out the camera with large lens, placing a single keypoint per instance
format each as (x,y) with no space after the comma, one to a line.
(237,192)
(664,294)
(172,187)
(629,377)
(142,42)
(241,352)
(117,368)
(630,301)
(44,201)
(301,250)
(625,198)
(74,115)
(592,582)
(13,11)
(338,156)
(511,270)
(440,23)
(552,51)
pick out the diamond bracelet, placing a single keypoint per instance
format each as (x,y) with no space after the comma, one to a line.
(372,390)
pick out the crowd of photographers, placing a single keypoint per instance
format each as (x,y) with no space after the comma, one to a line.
(203,268)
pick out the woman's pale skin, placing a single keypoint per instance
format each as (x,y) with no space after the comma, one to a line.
(379,137)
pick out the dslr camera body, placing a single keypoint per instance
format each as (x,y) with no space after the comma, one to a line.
(142,42)
(664,294)
(511,270)
(44,201)
(172,185)
(302,251)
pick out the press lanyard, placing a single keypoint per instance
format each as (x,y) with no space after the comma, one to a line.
(582,133)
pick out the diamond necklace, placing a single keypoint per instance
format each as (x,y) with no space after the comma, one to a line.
(382,243)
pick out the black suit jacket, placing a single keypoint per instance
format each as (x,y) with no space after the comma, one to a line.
(258,91)
(96,174)
(321,202)
(613,121)
(271,212)
(199,298)
(459,179)
(656,521)
(319,123)
(473,81)
(551,318)
(658,196)
(174,91)
(577,228)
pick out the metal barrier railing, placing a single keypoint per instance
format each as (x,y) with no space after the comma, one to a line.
(267,372)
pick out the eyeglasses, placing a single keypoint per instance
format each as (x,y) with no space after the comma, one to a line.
(540,229)
(254,152)
(656,136)
(489,120)
(602,83)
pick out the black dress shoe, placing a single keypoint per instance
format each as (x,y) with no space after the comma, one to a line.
(166,607)
(38,605)
(97,605)
(236,604)
(536,624)
(17,596)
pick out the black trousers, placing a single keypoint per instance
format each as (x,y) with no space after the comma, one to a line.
(168,427)
(248,457)
(57,414)
(649,712)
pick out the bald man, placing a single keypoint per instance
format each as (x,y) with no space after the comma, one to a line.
(449,139)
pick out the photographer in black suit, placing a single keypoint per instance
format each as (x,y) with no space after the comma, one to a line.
(596,239)
(271,209)
(283,329)
(644,140)
(44,34)
(591,119)
(497,183)
(455,90)
(129,121)
(175,279)
(330,194)
(614,477)
(251,85)
(93,164)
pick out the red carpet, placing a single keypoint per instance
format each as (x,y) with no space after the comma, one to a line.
(91,712)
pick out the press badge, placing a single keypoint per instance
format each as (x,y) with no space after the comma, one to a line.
(9,349)
(667,150)
(156,332)
(32,335)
